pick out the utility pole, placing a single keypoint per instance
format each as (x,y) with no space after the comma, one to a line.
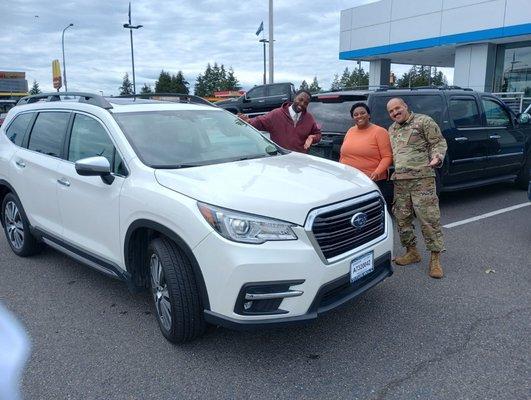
(271,62)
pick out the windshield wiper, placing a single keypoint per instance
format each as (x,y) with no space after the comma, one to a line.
(176,166)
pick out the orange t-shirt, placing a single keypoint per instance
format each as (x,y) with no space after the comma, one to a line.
(368,150)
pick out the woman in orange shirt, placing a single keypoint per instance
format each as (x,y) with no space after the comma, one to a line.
(367,147)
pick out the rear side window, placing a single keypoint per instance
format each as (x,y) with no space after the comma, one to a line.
(332,113)
(18,127)
(431,105)
(278,90)
(256,92)
(464,112)
(48,133)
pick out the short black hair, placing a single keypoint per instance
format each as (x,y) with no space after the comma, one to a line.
(300,91)
(360,104)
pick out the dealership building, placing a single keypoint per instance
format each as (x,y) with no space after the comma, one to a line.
(13,86)
(487,42)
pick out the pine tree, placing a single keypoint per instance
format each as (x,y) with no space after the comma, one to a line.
(304,86)
(231,82)
(179,84)
(146,89)
(127,86)
(163,84)
(344,82)
(215,78)
(35,88)
(336,85)
(314,86)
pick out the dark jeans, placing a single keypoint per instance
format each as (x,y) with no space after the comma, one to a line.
(386,187)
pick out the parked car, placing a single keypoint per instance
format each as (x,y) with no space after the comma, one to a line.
(260,99)
(487,142)
(222,225)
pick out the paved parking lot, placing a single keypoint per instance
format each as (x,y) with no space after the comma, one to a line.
(464,337)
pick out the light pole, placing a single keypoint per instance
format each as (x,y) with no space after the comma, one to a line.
(131,27)
(271,41)
(264,41)
(64,64)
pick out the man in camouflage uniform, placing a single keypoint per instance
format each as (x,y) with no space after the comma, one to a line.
(418,147)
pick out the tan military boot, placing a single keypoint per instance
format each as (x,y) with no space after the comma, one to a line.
(436,270)
(412,256)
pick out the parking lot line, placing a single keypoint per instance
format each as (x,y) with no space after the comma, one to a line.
(489,214)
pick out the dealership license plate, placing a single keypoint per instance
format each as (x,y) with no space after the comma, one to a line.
(361,266)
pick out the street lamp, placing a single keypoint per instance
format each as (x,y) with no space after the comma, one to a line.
(64,64)
(264,41)
(131,27)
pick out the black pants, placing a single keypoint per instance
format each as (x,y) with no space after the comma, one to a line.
(386,187)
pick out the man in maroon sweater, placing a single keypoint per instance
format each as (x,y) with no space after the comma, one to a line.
(290,126)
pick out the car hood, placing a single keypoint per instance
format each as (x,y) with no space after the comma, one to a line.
(284,187)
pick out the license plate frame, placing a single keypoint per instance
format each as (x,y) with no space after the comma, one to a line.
(361,266)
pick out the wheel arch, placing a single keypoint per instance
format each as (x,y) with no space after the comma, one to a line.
(138,236)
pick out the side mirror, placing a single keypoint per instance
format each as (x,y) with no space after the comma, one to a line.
(523,118)
(95,166)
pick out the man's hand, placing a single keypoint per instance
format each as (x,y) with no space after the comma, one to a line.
(309,142)
(435,162)
(244,117)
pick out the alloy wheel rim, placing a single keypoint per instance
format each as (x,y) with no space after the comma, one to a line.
(14,226)
(159,289)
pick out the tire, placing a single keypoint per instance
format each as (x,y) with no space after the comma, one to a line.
(17,228)
(178,307)
(524,176)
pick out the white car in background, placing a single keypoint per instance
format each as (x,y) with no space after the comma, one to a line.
(185,199)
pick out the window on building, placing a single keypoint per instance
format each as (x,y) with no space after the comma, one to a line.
(464,112)
(48,133)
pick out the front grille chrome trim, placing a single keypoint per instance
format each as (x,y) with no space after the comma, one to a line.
(308,225)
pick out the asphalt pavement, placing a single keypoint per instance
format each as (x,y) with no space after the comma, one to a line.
(411,337)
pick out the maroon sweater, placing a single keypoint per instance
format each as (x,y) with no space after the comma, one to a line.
(280,126)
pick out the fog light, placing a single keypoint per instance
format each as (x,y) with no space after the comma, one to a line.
(247,305)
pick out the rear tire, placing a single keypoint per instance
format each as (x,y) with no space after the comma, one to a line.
(178,307)
(17,228)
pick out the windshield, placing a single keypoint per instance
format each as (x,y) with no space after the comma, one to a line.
(186,138)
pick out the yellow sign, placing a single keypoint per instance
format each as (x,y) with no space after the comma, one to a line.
(56,74)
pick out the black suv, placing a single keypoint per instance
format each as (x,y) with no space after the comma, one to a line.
(487,141)
(260,99)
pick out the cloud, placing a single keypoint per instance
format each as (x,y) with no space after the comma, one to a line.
(183,35)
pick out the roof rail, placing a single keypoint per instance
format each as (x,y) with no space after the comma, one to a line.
(183,98)
(83,97)
(432,87)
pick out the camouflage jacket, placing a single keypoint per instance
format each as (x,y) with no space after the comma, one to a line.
(414,144)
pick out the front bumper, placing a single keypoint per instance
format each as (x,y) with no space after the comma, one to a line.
(329,297)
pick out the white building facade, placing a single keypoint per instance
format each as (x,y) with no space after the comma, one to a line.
(488,42)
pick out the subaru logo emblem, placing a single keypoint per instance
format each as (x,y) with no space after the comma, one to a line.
(358,220)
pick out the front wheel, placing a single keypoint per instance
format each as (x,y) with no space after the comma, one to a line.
(175,293)
(17,228)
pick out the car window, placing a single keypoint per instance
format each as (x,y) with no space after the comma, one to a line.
(48,133)
(431,105)
(278,90)
(176,138)
(256,92)
(332,116)
(89,139)
(18,127)
(495,114)
(464,112)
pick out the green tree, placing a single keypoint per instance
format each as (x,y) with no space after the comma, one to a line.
(344,82)
(179,84)
(35,88)
(336,85)
(215,78)
(127,86)
(164,83)
(358,78)
(231,82)
(314,86)
(422,76)
(304,86)
(146,89)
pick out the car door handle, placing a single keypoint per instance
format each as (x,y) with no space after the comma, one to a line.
(20,163)
(461,139)
(495,136)
(63,182)
(261,101)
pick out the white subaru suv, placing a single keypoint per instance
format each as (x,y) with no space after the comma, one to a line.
(187,200)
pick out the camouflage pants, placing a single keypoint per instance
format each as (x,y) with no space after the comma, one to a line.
(417,197)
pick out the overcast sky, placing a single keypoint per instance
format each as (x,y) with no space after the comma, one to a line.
(177,35)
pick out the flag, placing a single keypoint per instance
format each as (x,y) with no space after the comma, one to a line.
(260,28)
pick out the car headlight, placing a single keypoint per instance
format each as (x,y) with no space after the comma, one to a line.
(245,228)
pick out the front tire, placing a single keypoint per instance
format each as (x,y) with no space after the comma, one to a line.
(17,228)
(178,307)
